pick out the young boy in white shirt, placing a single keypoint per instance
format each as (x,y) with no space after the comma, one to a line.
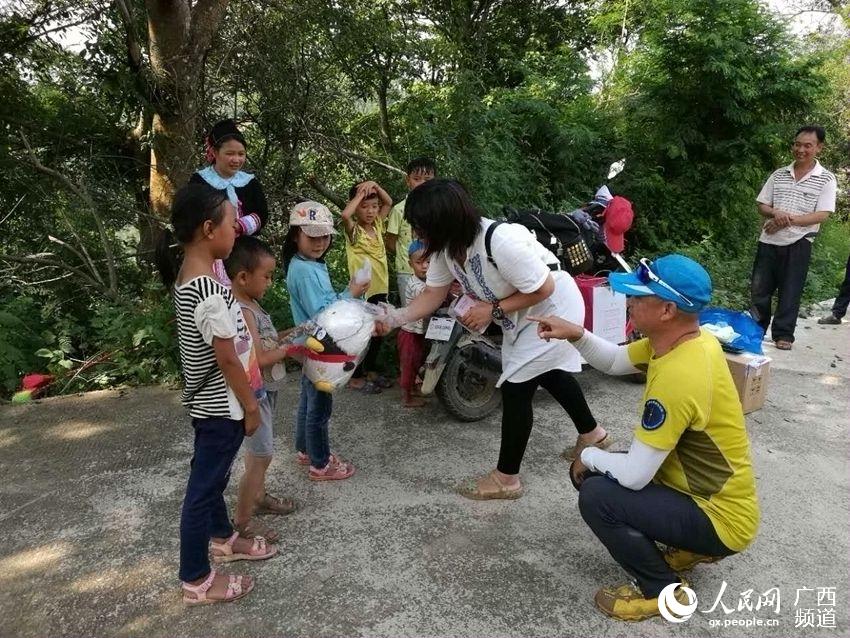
(411,336)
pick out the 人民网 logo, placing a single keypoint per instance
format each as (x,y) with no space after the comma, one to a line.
(671,609)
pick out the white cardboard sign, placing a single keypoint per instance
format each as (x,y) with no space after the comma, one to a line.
(440,328)
(609,314)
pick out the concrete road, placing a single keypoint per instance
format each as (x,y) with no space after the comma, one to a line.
(91,487)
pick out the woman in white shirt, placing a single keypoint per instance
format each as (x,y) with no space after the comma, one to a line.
(523,278)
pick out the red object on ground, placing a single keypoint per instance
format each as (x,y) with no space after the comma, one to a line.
(35,381)
(586,284)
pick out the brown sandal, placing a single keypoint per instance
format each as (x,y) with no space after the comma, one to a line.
(574,452)
(254,528)
(472,489)
(273,505)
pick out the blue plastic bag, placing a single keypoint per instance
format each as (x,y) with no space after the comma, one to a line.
(750,334)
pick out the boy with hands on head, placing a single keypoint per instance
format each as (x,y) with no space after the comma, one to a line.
(364,218)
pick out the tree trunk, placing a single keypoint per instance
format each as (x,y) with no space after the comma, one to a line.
(148,228)
(386,133)
(173,157)
(179,34)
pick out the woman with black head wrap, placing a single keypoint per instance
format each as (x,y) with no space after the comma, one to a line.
(226,152)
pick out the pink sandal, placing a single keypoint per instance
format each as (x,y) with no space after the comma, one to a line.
(260,550)
(235,590)
(335,470)
(303,459)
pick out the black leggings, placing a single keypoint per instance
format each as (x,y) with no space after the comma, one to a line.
(370,360)
(518,414)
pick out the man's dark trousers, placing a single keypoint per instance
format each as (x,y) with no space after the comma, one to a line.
(839,308)
(780,269)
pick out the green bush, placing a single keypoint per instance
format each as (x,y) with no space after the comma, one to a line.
(137,342)
(21,335)
(707,104)
(731,271)
(109,343)
(829,258)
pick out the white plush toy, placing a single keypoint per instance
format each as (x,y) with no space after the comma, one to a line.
(338,343)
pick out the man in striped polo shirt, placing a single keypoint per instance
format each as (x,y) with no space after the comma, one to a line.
(794,201)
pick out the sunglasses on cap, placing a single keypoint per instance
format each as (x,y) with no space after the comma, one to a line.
(645,275)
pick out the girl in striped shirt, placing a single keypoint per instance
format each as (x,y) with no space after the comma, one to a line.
(222,386)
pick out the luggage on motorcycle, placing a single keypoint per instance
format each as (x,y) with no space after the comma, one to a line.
(594,236)
(560,234)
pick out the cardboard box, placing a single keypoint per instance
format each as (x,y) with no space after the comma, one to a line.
(604,309)
(751,373)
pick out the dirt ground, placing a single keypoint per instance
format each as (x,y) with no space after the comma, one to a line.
(91,487)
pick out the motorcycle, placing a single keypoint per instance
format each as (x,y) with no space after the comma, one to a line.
(462,367)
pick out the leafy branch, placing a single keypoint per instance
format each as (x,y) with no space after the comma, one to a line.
(91,274)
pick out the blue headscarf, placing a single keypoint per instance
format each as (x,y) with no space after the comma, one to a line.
(215,180)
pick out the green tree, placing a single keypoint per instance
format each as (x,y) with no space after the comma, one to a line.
(526,101)
(705,101)
(167,67)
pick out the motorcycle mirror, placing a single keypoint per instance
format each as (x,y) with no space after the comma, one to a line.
(616,168)
(622,262)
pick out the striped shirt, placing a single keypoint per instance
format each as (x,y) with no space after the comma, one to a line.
(815,192)
(206,309)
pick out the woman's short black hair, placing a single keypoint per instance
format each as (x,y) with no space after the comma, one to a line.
(246,255)
(442,214)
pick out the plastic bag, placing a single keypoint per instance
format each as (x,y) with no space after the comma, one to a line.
(459,307)
(364,273)
(336,341)
(749,333)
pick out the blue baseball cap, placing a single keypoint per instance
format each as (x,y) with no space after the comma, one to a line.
(674,278)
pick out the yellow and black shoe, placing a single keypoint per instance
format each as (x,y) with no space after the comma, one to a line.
(627,602)
(681,560)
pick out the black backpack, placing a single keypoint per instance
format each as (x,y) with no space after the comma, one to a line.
(561,235)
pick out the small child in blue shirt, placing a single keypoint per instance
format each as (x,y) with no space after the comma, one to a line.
(310,291)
